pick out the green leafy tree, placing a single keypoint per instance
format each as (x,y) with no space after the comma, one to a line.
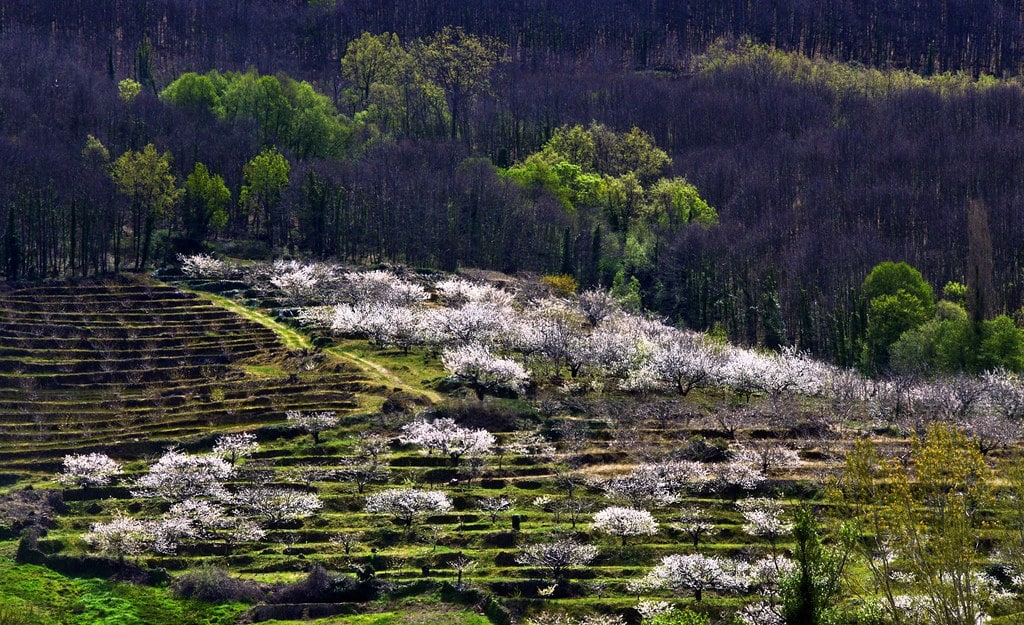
(260,100)
(599,149)
(944,344)
(315,128)
(811,593)
(923,520)
(145,178)
(889,316)
(461,64)
(197,90)
(897,299)
(674,202)
(206,199)
(371,60)
(888,278)
(128,90)
(1001,345)
(266,177)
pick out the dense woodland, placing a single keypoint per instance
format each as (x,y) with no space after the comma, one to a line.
(817,170)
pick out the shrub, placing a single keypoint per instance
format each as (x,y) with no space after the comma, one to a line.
(563,284)
(211,583)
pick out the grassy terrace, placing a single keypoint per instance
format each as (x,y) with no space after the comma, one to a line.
(82,371)
(139,365)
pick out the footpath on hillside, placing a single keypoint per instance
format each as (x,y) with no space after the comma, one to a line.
(296,340)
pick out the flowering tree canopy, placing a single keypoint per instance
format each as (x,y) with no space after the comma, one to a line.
(87,470)
(625,522)
(408,504)
(312,422)
(448,438)
(477,367)
(177,476)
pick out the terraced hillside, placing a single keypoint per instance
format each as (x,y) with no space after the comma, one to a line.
(132,366)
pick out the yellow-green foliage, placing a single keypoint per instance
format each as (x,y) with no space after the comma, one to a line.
(843,78)
(563,284)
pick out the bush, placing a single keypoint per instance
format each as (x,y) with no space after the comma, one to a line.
(214,584)
(323,586)
(563,285)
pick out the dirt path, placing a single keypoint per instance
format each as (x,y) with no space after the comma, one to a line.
(384,373)
(295,340)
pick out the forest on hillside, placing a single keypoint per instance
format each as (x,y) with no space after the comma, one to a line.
(826,138)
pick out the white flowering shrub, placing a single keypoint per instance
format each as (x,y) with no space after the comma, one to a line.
(625,522)
(204,266)
(475,366)
(88,470)
(407,505)
(121,536)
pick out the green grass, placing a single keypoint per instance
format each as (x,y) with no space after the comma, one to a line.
(35,595)
(264,371)
(292,339)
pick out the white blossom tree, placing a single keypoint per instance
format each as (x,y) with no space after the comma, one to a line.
(456,292)
(120,537)
(448,438)
(88,470)
(313,423)
(694,572)
(597,305)
(233,447)
(557,557)
(363,470)
(407,505)
(765,455)
(380,287)
(178,476)
(275,506)
(475,366)
(625,522)
(204,266)
(687,362)
(494,506)
(761,613)
(763,517)
(192,519)
(694,522)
